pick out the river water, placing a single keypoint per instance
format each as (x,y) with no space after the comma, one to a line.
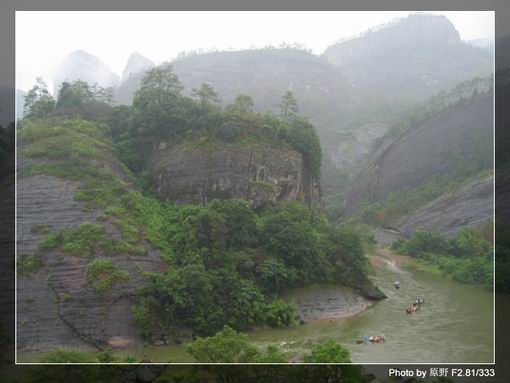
(455,324)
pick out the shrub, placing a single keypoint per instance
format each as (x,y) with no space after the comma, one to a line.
(280,313)
(229,346)
(28,264)
(88,239)
(102,274)
(63,356)
(328,352)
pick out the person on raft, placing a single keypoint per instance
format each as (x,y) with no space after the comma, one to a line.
(413,308)
(377,339)
(397,284)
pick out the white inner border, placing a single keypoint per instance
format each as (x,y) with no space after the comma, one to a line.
(283,364)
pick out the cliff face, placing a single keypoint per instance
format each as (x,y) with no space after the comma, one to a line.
(56,305)
(458,137)
(261,174)
(471,205)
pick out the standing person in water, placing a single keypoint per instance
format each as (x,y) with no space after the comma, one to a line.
(397,284)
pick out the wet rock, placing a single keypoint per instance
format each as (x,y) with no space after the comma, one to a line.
(471,205)
(329,303)
(260,174)
(56,306)
(462,133)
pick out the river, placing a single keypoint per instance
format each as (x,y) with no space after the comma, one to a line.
(455,324)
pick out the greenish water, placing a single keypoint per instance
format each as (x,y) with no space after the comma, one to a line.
(454,325)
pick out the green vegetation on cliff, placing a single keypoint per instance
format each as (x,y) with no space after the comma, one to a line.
(102,274)
(227,262)
(408,201)
(161,111)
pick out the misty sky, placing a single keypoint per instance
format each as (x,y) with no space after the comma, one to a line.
(44,39)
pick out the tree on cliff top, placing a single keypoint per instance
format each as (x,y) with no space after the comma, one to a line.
(38,101)
(288,106)
(158,106)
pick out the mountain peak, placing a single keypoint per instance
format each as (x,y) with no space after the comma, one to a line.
(136,63)
(82,65)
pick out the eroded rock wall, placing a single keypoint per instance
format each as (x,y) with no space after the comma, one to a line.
(56,306)
(460,136)
(471,205)
(261,174)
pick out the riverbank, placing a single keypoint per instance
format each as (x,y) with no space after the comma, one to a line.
(326,303)
(451,310)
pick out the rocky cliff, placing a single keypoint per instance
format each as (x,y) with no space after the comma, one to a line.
(471,205)
(458,139)
(56,304)
(259,173)
(136,64)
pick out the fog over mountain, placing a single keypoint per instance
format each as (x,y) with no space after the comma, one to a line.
(237,190)
(81,65)
(136,63)
(353,93)
(411,58)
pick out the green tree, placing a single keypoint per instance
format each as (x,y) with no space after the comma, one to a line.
(74,94)
(328,352)
(242,104)
(158,107)
(229,346)
(104,95)
(38,102)
(280,313)
(289,107)
(205,95)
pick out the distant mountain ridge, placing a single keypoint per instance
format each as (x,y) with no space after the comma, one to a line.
(413,57)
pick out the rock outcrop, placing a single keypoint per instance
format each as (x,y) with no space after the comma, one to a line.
(56,306)
(471,205)
(261,174)
(327,303)
(136,64)
(459,137)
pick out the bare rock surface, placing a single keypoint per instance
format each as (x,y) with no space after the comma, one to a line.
(462,135)
(260,174)
(57,306)
(471,205)
(328,303)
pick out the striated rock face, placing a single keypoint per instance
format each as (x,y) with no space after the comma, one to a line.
(327,303)
(459,137)
(260,174)
(57,306)
(471,205)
